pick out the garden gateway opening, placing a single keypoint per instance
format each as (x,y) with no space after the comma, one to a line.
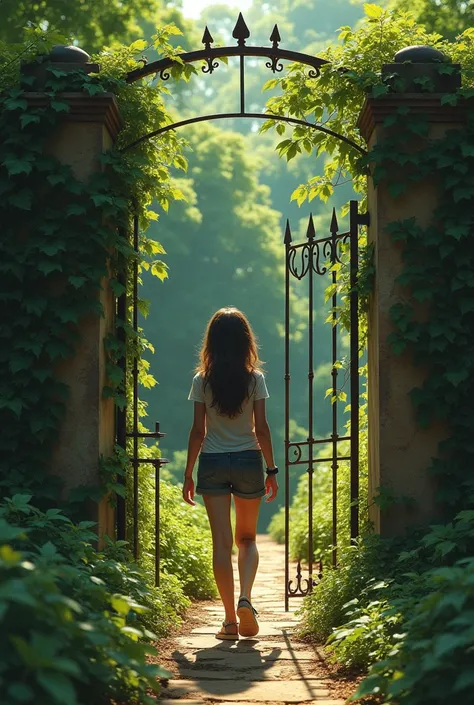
(315,257)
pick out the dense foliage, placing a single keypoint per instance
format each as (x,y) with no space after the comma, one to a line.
(94,25)
(74,620)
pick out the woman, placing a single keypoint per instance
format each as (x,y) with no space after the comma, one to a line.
(231,431)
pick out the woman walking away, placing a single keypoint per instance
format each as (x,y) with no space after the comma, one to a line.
(229,395)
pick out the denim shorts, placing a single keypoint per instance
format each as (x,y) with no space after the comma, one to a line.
(240,473)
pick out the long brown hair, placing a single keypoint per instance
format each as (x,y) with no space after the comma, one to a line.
(228,360)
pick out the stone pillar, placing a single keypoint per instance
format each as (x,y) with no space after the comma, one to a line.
(400,452)
(88,429)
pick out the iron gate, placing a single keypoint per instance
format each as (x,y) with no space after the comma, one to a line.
(317,257)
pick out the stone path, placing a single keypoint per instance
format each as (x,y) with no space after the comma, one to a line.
(271,668)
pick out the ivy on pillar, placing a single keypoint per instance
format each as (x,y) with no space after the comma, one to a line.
(400,451)
(82,133)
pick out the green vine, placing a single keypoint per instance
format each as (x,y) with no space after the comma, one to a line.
(62,238)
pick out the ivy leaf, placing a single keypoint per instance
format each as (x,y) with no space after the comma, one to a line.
(76,281)
(60,106)
(48,266)
(23,199)
(159,269)
(17,166)
(397,188)
(75,209)
(379,90)
(457,376)
(27,119)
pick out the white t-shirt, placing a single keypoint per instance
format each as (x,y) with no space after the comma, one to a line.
(223,434)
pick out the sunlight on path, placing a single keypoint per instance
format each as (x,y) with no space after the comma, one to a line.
(270,668)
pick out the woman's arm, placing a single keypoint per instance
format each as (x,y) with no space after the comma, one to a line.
(264,437)
(262,431)
(196,437)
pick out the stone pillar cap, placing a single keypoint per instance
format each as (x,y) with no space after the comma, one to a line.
(68,55)
(419,54)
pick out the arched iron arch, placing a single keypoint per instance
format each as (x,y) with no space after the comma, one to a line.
(210,57)
(257,116)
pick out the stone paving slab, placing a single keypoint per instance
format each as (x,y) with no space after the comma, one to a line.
(237,661)
(320,701)
(203,641)
(267,672)
(284,691)
(266,629)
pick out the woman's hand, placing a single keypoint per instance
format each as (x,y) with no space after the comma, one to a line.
(271,485)
(188,491)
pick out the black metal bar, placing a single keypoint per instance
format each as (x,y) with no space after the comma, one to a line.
(121,414)
(354,367)
(310,400)
(287,415)
(135,462)
(302,444)
(242,85)
(252,116)
(334,435)
(319,460)
(157,524)
(161,65)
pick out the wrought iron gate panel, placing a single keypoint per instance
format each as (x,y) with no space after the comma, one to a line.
(127,422)
(303,261)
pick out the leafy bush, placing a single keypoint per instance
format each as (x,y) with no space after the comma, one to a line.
(433,661)
(407,614)
(185,537)
(359,566)
(73,618)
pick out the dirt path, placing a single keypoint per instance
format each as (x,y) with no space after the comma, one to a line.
(271,668)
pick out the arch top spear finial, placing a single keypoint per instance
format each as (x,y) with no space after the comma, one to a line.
(287,238)
(207,38)
(311,232)
(241,31)
(275,37)
(334,227)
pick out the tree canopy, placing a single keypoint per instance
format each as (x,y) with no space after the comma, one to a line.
(93,24)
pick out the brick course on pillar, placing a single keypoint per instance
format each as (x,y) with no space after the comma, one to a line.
(400,452)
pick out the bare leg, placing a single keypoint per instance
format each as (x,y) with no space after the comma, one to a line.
(245,534)
(218,511)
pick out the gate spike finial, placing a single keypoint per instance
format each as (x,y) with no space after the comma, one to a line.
(241,31)
(310,233)
(275,37)
(207,38)
(287,238)
(334,227)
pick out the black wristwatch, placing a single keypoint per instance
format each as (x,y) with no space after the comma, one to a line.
(272,471)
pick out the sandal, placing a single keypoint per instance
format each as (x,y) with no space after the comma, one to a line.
(224,634)
(248,625)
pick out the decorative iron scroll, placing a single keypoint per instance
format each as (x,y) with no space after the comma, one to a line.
(299,590)
(211,54)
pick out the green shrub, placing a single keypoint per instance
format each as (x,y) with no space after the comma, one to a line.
(360,565)
(403,608)
(185,537)
(433,660)
(73,618)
